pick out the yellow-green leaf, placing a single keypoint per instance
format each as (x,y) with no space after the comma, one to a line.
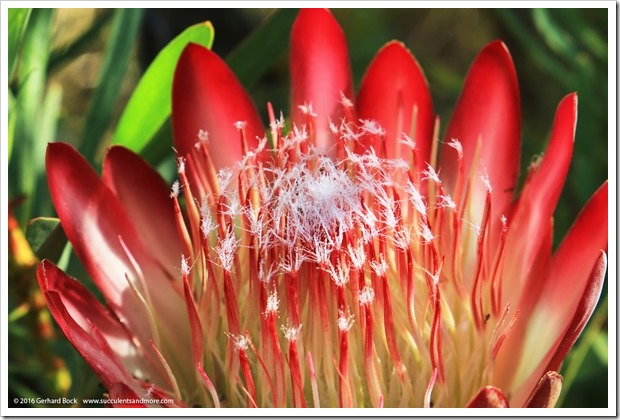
(18,20)
(149,107)
(121,39)
(11,124)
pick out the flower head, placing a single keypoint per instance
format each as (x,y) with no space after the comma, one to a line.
(340,264)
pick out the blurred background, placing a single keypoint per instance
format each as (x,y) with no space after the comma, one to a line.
(72,72)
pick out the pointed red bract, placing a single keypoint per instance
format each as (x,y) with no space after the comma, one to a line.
(207,96)
(145,197)
(534,210)
(587,304)
(570,291)
(113,254)
(572,263)
(86,324)
(320,71)
(572,287)
(394,92)
(489,109)
(488,397)
(88,313)
(547,392)
(528,234)
(93,220)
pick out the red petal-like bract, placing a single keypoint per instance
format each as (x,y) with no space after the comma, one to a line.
(207,96)
(534,210)
(96,334)
(145,197)
(320,71)
(489,110)
(573,287)
(568,295)
(394,92)
(93,220)
(571,266)
(104,238)
(587,304)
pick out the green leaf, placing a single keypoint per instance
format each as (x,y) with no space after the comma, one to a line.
(115,62)
(29,93)
(46,237)
(148,109)
(11,123)
(255,55)
(18,21)
(65,257)
(45,132)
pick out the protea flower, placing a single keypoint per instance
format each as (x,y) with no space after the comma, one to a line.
(352,259)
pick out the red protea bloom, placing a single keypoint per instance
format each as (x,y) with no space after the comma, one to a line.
(340,263)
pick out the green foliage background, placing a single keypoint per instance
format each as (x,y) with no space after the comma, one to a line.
(556,51)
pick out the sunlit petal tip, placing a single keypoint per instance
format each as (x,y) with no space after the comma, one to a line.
(557,158)
(58,159)
(63,165)
(547,392)
(207,96)
(123,168)
(566,115)
(489,397)
(319,58)
(394,92)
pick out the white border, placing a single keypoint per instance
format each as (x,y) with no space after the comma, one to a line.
(612,267)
